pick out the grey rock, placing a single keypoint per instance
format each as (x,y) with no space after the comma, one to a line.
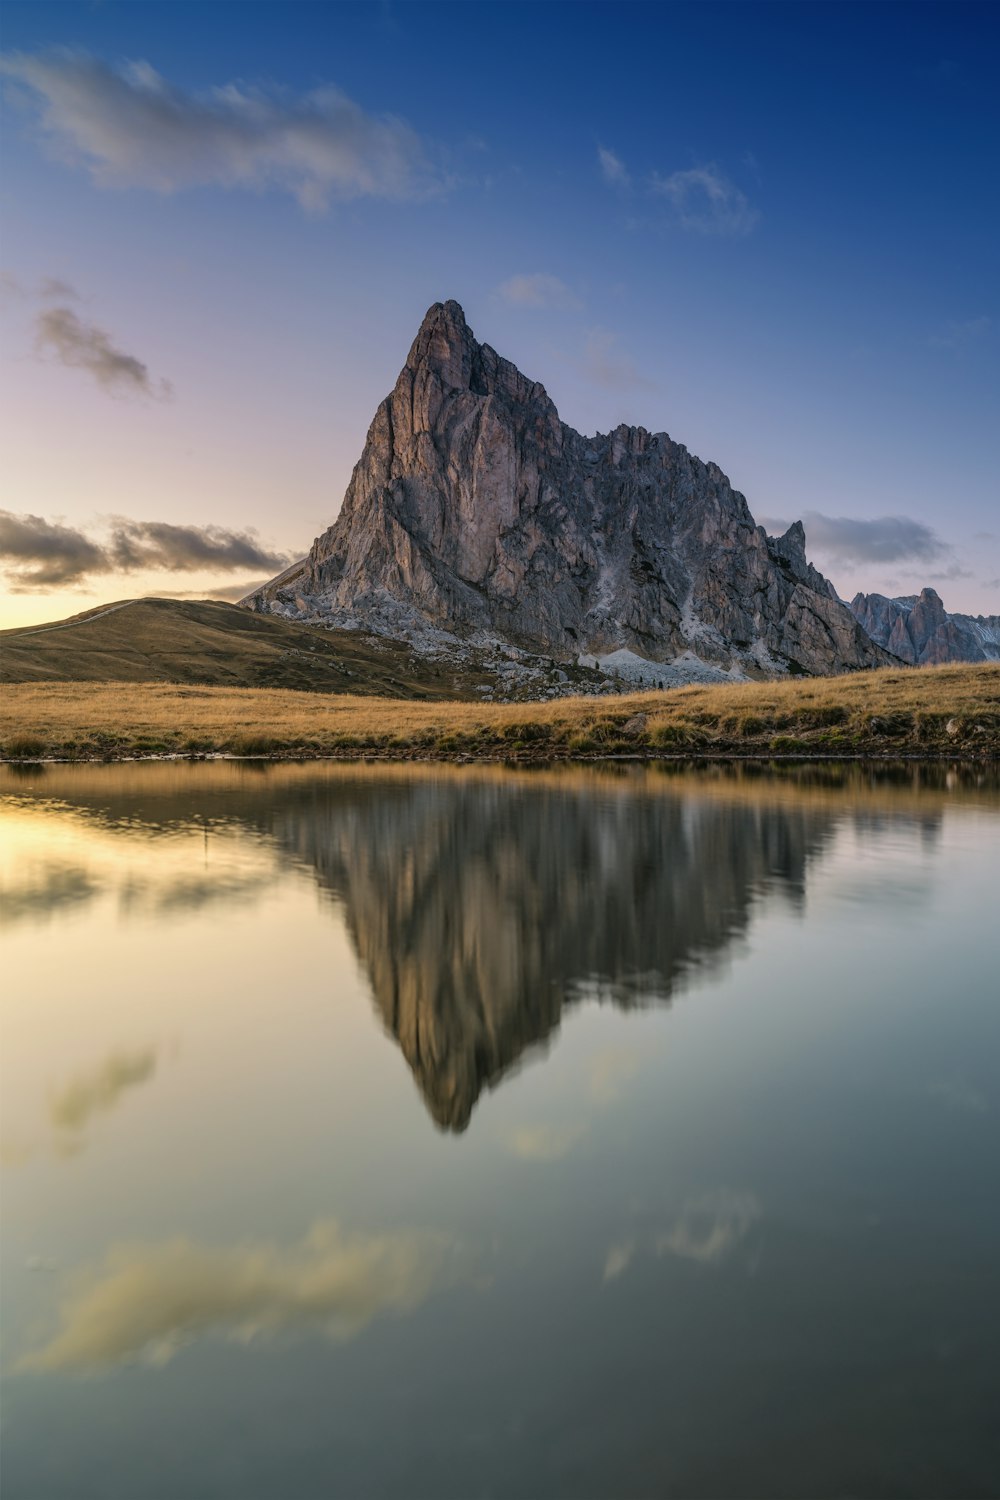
(918,629)
(474,508)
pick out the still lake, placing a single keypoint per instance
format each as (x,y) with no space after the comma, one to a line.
(473,1133)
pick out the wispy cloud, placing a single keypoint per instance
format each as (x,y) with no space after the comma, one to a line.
(229,593)
(546,1142)
(131,128)
(84,346)
(97,1090)
(54,289)
(539,291)
(92,1092)
(46,288)
(148,1300)
(710,1226)
(613,169)
(39,554)
(957,333)
(618,1260)
(883,539)
(610,1070)
(701,199)
(605,364)
(704,200)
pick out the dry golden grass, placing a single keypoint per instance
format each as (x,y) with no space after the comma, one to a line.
(938,710)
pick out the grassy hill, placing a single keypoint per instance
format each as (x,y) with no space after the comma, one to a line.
(951,712)
(205,641)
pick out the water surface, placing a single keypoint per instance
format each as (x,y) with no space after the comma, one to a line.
(458,1133)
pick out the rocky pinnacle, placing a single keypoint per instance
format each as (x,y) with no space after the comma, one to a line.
(474,508)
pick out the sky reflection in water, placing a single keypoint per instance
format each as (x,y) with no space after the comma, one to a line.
(662,1170)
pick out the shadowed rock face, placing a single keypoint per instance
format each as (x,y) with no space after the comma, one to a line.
(474,507)
(918,629)
(480,913)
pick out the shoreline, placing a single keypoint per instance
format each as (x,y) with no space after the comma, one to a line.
(988,757)
(932,714)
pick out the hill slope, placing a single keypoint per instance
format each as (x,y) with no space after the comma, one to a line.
(206,641)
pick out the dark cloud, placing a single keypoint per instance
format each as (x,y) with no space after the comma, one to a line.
(132,128)
(156,545)
(44,554)
(40,554)
(54,889)
(84,346)
(884,539)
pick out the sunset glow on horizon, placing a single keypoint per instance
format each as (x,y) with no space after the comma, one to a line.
(216,257)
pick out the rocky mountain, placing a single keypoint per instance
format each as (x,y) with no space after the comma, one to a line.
(475,509)
(918,629)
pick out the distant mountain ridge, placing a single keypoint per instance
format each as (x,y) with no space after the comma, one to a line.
(918,629)
(473,508)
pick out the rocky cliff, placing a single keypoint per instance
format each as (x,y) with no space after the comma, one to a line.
(474,508)
(919,630)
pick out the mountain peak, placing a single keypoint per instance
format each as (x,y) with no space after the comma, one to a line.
(918,629)
(445,344)
(474,508)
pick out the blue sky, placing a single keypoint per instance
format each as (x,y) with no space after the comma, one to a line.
(770,230)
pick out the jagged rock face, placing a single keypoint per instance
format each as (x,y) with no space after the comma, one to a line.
(919,630)
(475,507)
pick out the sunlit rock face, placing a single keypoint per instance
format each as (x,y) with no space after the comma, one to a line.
(481,913)
(473,507)
(918,629)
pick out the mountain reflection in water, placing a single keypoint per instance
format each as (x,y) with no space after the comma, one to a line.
(738,1245)
(481,905)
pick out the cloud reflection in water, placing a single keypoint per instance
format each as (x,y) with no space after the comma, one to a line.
(146,1301)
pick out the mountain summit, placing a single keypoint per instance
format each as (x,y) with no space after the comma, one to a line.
(475,509)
